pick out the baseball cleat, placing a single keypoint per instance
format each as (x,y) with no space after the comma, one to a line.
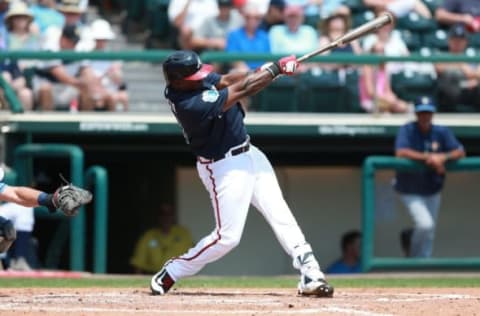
(161,282)
(319,287)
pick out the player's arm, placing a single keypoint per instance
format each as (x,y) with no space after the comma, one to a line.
(61,74)
(444,16)
(25,196)
(232,78)
(411,154)
(256,81)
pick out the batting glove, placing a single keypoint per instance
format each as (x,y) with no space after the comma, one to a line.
(288,65)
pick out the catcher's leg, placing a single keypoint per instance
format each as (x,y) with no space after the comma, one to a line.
(268,199)
(230,191)
(7,234)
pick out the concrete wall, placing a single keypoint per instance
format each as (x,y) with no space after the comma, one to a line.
(326,203)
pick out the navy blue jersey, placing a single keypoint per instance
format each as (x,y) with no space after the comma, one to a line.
(209,131)
(440,139)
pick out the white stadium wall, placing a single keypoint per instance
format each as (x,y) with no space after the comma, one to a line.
(326,203)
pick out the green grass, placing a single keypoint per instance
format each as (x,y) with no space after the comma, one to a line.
(245,282)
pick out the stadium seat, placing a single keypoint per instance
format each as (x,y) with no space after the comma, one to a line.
(157,18)
(411,39)
(437,40)
(355,5)
(409,85)
(360,18)
(416,23)
(280,96)
(312,20)
(324,92)
(474,40)
(136,10)
(432,5)
(352,92)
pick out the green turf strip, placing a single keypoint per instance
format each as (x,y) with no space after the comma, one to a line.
(243,282)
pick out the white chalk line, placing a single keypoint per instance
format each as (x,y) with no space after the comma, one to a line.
(293,311)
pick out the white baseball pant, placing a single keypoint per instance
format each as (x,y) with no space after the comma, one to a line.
(234,183)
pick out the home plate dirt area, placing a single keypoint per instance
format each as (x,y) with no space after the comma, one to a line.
(200,302)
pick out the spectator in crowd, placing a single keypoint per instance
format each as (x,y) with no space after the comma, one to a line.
(4,4)
(293,37)
(459,11)
(331,28)
(18,20)
(349,262)
(12,74)
(334,26)
(158,244)
(457,83)
(72,10)
(45,15)
(249,38)
(212,33)
(23,220)
(316,10)
(274,15)
(420,191)
(184,17)
(392,43)
(333,7)
(376,94)
(108,73)
(399,8)
(59,84)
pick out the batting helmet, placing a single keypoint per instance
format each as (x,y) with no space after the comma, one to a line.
(185,65)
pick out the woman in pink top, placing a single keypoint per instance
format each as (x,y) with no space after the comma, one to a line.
(375,90)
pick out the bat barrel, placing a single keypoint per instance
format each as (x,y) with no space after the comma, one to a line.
(360,31)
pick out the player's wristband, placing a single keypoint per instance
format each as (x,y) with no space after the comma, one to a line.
(273,69)
(45,199)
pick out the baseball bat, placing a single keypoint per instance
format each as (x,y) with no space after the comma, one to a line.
(357,32)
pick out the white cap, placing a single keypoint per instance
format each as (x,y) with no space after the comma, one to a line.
(102,30)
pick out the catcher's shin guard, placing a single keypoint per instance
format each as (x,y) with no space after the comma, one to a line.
(8,234)
(161,282)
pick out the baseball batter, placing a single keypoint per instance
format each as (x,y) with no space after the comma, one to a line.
(234,172)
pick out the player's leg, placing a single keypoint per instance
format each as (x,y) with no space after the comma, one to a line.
(230,191)
(423,211)
(268,199)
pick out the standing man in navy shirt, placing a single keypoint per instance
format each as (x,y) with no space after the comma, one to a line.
(420,191)
(234,172)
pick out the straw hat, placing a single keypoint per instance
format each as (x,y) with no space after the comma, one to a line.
(71,6)
(17,8)
(323,24)
(102,30)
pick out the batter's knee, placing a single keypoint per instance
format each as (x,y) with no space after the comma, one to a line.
(229,242)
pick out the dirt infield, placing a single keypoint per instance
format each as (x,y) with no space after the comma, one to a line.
(200,302)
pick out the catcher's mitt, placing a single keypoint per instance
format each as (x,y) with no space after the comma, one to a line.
(70,198)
